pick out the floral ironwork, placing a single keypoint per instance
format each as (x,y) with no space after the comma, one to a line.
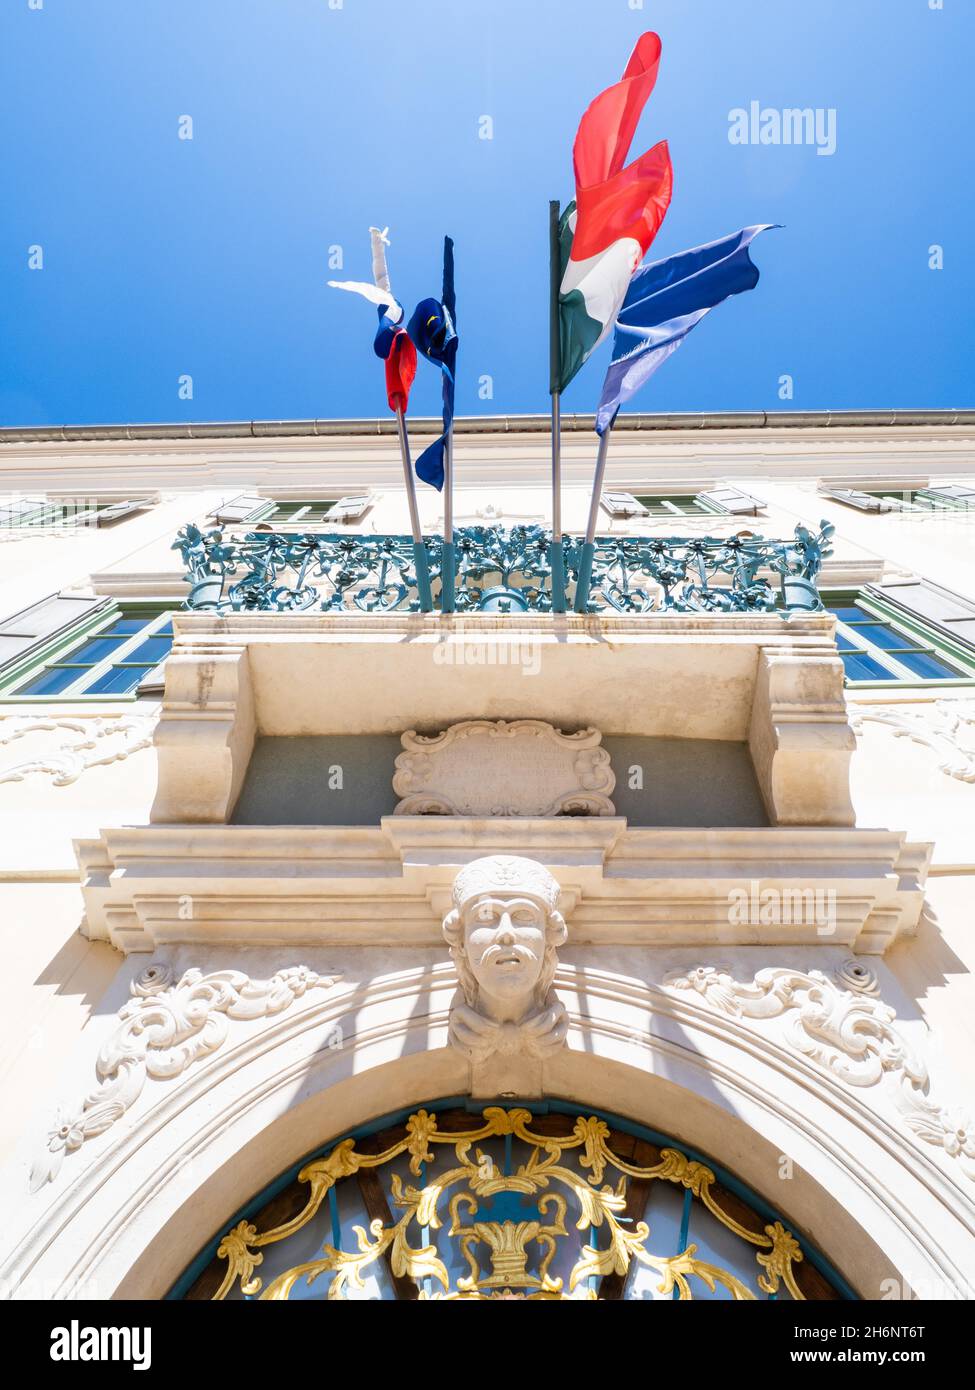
(549,1227)
(501,570)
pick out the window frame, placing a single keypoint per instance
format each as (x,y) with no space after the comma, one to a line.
(926,500)
(267,516)
(64,513)
(703,504)
(927,641)
(662,506)
(50,655)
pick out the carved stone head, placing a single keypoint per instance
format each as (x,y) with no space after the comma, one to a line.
(504,932)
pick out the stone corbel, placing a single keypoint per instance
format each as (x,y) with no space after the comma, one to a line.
(800,738)
(205,735)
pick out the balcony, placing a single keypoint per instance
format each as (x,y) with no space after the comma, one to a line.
(500,570)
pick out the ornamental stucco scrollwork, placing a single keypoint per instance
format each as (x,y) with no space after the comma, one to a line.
(504,931)
(521,767)
(96,742)
(166,1026)
(849,1032)
(940,726)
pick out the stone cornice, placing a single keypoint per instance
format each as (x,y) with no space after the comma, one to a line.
(696,450)
(203,631)
(389,885)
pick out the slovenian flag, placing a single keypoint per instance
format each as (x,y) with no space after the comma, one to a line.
(433,331)
(664,302)
(617,213)
(392,343)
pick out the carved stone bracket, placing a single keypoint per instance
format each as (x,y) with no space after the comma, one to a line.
(166,1026)
(205,736)
(800,738)
(486,768)
(842,1026)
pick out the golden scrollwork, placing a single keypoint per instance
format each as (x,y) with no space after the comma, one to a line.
(510,1248)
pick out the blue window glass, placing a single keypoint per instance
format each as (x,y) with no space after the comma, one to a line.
(861,667)
(118,681)
(844,643)
(851,615)
(128,626)
(50,682)
(95,649)
(882,636)
(153,649)
(927,666)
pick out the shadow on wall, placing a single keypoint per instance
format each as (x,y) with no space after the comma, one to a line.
(348,780)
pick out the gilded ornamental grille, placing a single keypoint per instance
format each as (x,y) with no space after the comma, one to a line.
(509,1205)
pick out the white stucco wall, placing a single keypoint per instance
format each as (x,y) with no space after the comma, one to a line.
(127,1210)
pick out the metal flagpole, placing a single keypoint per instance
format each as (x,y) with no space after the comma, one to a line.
(419,549)
(589,548)
(555,554)
(447,564)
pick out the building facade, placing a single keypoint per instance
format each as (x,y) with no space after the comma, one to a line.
(359,952)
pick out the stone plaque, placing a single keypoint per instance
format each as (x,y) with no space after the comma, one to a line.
(524,767)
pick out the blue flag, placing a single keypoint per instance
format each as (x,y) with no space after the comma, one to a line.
(664,302)
(433,330)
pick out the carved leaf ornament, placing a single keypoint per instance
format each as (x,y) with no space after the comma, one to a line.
(166,1026)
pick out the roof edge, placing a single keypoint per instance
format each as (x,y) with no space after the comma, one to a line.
(491,424)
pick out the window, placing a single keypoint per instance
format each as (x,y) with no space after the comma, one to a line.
(251,509)
(302,513)
(622,504)
(874,646)
(956,497)
(21,512)
(732,501)
(25,511)
(121,653)
(42,625)
(675,504)
(719,501)
(950,616)
(246,507)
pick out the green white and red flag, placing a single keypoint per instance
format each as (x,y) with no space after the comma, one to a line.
(618,210)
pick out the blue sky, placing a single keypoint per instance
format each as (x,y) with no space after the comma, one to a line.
(165,258)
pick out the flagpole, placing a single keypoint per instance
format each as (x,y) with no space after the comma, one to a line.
(555,554)
(584,582)
(419,549)
(447,563)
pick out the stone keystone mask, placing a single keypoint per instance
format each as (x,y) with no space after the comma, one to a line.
(504,933)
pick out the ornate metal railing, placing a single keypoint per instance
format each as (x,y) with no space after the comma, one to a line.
(501,570)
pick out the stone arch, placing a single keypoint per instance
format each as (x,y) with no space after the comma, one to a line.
(128,1220)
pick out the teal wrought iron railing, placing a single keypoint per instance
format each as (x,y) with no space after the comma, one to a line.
(500,570)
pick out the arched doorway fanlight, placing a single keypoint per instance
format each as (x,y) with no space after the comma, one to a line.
(501,1203)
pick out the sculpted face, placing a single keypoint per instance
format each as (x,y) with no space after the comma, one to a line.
(504,937)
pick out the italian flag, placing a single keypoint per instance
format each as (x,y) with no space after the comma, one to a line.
(606,232)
